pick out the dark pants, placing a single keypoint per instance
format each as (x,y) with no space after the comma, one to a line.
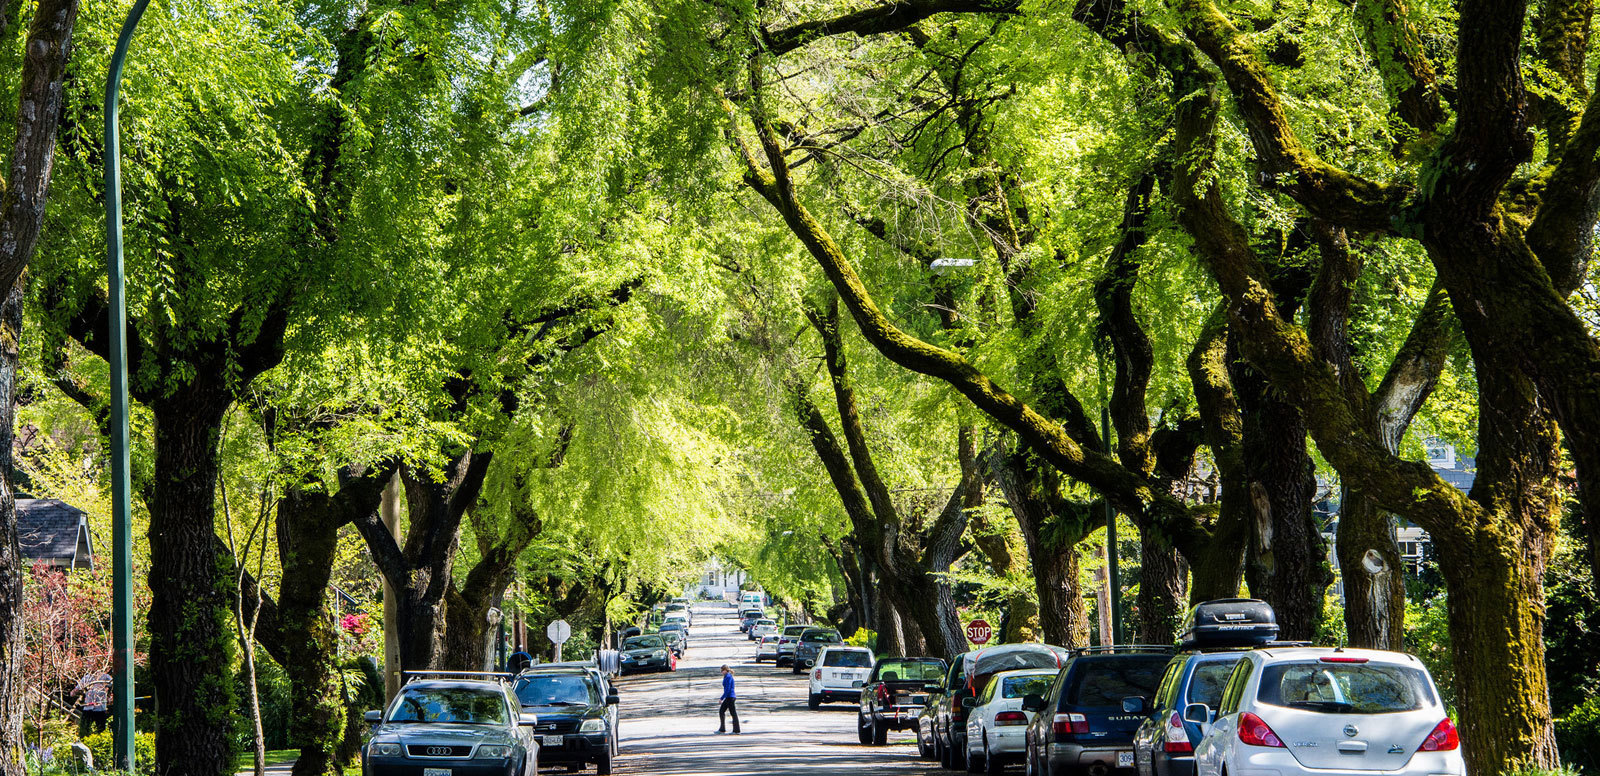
(726,708)
(92,722)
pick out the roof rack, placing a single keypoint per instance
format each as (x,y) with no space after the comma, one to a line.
(1110,649)
(408,677)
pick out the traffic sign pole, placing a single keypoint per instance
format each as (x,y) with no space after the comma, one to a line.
(558,632)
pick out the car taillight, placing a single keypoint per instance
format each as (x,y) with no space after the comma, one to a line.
(1444,738)
(1070,725)
(1177,739)
(1010,718)
(883,693)
(1342,659)
(817,674)
(1255,732)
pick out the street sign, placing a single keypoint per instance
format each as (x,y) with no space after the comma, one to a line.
(978,632)
(558,631)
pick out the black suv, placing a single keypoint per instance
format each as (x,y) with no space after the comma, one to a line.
(1164,744)
(810,645)
(574,716)
(1087,721)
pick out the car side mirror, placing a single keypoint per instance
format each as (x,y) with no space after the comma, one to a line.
(1033,703)
(373,717)
(1133,704)
(612,699)
(969,703)
(1198,713)
(528,720)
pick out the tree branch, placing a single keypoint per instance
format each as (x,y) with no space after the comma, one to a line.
(886,17)
(1408,75)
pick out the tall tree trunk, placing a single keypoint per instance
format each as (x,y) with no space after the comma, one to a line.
(1162,592)
(12,567)
(191,650)
(1373,572)
(1052,542)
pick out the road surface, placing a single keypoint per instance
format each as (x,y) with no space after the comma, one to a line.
(669,720)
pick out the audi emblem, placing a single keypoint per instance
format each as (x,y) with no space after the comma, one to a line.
(439,751)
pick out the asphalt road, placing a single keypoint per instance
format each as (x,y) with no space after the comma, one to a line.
(669,720)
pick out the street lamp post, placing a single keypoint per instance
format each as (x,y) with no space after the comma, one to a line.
(121,487)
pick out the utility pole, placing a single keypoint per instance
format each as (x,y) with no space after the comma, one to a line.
(1113,574)
(121,484)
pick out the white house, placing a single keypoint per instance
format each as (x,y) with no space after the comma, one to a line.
(720,578)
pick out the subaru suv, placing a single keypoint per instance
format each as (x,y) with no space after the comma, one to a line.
(573,716)
(1309,710)
(462,727)
(1087,720)
(1164,744)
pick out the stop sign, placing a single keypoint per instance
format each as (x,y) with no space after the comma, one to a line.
(978,632)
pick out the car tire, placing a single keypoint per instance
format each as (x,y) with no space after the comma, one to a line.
(602,766)
(992,765)
(923,750)
(880,733)
(814,701)
(974,762)
(794,667)
(945,760)
(863,733)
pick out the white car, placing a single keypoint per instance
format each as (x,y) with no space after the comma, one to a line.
(1316,710)
(764,627)
(767,648)
(997,725)
(839,673)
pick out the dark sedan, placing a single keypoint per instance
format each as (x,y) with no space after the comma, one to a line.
(457,727)
(647,653)
(573,709)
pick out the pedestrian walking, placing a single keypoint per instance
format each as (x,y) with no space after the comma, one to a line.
(95,687)
(727,706)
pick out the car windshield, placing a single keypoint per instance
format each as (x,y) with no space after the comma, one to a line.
(1345,688)
(848,659)
(1209,680)
(449,704)
(892,670)
(556,690)
(1105,681)
(1023,686)
(643,642)
(765,623)
(821,637)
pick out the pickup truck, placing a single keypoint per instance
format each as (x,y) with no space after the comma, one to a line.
(894,695)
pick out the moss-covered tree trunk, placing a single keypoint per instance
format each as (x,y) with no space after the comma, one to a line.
(191,612)
(1052,543)
(1162,592)
(12,566)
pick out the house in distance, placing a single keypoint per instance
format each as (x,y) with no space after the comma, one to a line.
(54,533)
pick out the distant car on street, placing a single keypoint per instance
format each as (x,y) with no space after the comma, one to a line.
(647,653)
(788,639)
(812,642)
(452,726)
(676,640)
(575,712)
(839,675)
(996,722)
(748,619)
(767,648)
(893,695)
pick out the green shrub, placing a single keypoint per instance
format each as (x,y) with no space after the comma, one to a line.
(144,751)
(863,638)
(1578,734)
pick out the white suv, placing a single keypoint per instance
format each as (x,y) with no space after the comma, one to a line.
(1316,710)
(839,674)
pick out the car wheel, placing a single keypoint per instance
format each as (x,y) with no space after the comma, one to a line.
(880,733)
(602,766)
(923,752)
(814,701)
(945,760)
(993,765)
(863,732)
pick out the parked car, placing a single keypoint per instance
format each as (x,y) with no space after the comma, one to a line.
(996,722)
(811,643)
(839,675)
(675,640)
(976,669)
(1164,743)
(1311,710)
(452,726)
(574,713)
(935,718)
(788,639)
(767,648)
(764,627)
(748,618)
(1082,724)
(678,611)
(893,695)
(628,632)
(645,653)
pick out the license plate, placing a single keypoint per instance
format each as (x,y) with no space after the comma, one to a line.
(551,740)
(435,772)
(1124,759)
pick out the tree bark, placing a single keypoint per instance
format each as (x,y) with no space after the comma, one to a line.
(12,566)
(1162,592)
(1051,532)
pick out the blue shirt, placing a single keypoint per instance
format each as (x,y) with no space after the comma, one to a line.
(727,686)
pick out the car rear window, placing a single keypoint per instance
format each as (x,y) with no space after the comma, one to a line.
(847,659)
(825,637)
(449,704)
(795,630)
(1105,681)
(1209,680)
(556,690)
(1345,688)
(1023,686)
(910,670)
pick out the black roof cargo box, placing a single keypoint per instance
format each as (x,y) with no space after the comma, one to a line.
(1229,623)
